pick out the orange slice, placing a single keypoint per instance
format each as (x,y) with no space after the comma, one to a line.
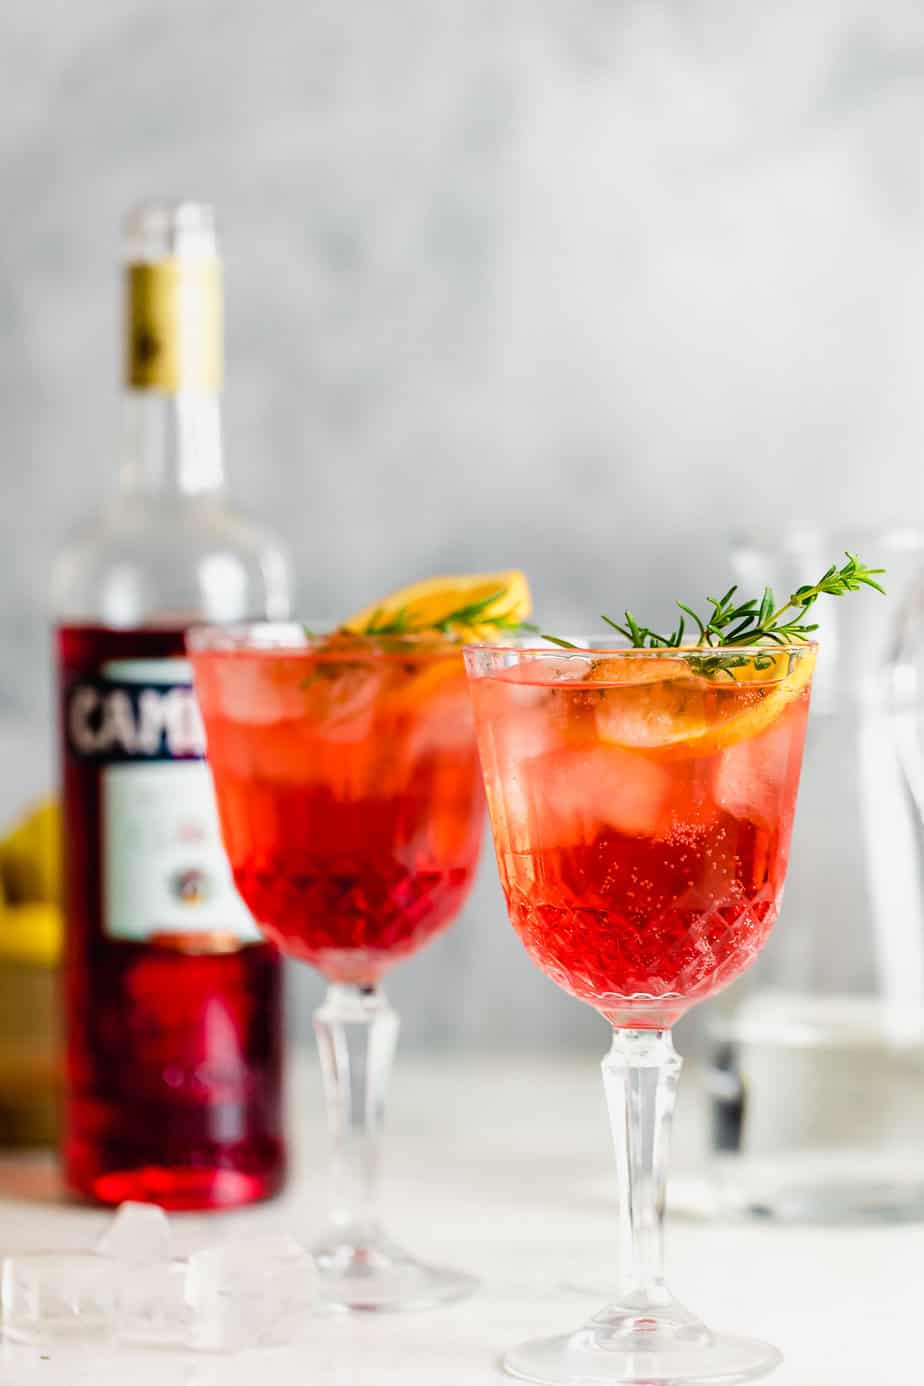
(683,714)
(643,669)
(495,601)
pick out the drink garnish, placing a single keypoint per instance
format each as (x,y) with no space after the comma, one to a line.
(457,609)
(466,607)
(757,621)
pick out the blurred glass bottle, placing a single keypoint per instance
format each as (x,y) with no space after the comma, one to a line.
(173,1001)
(818,1055)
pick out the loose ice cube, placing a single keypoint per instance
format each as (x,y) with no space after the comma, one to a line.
(139,1232)
(250,1293)
(152,1308)
(58,1294)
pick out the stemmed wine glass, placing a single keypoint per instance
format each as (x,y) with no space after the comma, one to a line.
(351,809)
(642,803)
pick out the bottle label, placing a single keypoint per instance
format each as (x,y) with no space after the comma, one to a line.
(164,873)
(173,329)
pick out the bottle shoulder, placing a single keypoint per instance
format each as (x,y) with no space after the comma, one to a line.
(143,556)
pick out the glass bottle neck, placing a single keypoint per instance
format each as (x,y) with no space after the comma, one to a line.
(172,444)
(173,352)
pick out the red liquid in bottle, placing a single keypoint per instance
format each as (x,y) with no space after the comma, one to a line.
(174,1034)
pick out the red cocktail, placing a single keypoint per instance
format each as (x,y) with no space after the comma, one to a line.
(642,816)
(351,808)
(349,794)
(642,804)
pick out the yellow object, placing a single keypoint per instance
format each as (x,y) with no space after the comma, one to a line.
(777,669)
(500,600)
(686,715)
(173,328)
(30,856)
(30,888)
(31,934)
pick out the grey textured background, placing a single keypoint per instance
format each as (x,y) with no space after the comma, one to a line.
(577,286)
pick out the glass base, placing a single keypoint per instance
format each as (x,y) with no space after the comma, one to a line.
(659,1348)
(374,1275)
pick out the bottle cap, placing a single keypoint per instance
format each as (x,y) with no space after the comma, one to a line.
(173,300)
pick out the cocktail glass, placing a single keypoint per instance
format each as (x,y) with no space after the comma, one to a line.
(351,809)
(642,804)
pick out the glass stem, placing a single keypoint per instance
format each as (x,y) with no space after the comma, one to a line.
(357,1031)
(640,1076)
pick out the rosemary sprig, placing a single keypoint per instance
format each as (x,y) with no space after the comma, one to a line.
(399,623)
(755,622)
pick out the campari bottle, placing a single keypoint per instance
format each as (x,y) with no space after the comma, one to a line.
(174,1025)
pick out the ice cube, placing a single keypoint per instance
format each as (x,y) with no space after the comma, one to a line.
(242,689)
(521,722)
(435,709)
(50,1295)
(541,672)
(343,700)
(750,778)
(139,1232)
(528,732)
(152,1305)
(655,706)
(574,793)
(254,1292)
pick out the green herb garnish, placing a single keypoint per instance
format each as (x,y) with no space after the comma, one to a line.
(753,622)
(464,616)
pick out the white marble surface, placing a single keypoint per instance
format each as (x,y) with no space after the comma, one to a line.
(503,1166)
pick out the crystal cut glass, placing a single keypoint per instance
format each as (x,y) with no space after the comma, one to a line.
(351,808)
(642,805)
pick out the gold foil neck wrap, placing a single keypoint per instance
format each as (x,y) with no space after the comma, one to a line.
(173,330)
